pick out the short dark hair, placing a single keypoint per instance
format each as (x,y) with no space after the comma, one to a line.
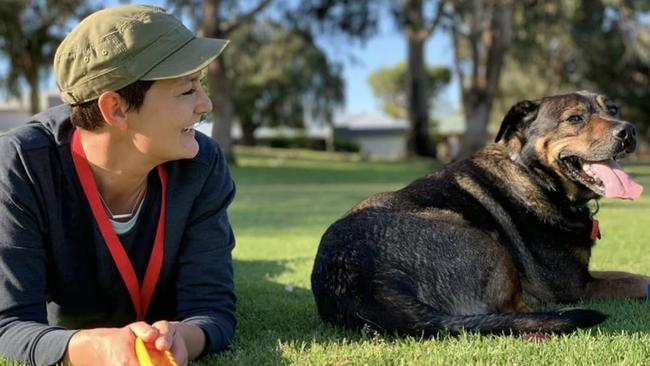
(89,117)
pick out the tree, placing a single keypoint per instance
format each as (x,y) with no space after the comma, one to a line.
(215,24)
(220,19)
(30,32)
(613,49)
(389,86)
(280,77)
(418,29)
(540,55)
(559,40)
(564,45)
(481,32)
(358,19)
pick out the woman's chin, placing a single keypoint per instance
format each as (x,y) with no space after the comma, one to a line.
(189,149)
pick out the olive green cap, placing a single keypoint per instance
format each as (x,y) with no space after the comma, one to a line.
(117,46)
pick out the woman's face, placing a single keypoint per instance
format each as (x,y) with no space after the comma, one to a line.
(163,126)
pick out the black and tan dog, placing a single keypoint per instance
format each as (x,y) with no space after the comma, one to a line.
(474,245)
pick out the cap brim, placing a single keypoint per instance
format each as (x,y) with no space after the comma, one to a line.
(193,57)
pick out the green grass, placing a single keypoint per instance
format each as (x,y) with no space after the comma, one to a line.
(284,205)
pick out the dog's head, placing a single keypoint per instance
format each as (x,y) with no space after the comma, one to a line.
(571,143)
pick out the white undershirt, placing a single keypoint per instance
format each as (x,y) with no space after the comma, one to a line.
(123,227)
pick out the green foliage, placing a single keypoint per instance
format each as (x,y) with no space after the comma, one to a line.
(346,146)
(389,86)
(280,76)
(565,45)
(300,142)
(616,55)
(356,19)
(30,31)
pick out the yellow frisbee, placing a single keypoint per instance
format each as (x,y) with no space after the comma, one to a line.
(144,358)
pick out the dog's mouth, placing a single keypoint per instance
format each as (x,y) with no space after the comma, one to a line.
(603,177)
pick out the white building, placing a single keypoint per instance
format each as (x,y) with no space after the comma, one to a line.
(319,133)
(378,135)
(13,113)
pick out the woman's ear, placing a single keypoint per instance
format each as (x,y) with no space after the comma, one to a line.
(518,117)
(113,109)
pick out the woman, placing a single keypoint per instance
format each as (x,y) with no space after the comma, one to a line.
(114,221)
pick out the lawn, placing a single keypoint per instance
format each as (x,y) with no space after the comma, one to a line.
(283,206)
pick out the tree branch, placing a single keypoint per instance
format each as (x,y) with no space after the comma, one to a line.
(457,59)
(244,18)
(439,15)
(501,36)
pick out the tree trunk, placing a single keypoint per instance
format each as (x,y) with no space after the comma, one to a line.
(419,142)
(220,91)
(477,113)
(248,133)
(31,74)
(223,108)
(489,46)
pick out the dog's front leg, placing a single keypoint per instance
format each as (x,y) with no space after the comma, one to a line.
(613,285)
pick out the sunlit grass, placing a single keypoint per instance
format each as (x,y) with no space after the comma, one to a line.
(284,205)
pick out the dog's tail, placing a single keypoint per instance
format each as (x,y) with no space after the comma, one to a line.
(561,321)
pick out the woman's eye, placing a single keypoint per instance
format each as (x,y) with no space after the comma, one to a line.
(190,92)
(575,119)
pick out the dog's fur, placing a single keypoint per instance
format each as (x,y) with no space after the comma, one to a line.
(474,245)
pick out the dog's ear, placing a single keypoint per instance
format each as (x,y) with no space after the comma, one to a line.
(519,115)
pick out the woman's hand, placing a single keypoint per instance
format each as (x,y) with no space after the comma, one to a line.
(108,346)
(116,346)
(169,339)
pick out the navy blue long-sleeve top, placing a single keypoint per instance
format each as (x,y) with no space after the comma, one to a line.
(56,273)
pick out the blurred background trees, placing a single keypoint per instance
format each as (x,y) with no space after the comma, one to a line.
(269,89)
(276,74)
(220,19)
(30,32)
(583,44)
(359,19)
(388,86)
(542,47)
(482,34)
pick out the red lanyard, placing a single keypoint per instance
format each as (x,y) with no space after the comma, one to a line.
(140,296)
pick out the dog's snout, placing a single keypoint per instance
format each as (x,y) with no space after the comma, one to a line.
(626,133)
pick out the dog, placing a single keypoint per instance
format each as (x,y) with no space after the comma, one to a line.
(472,246)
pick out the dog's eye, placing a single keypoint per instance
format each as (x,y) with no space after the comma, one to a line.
(575,119)
(612,110)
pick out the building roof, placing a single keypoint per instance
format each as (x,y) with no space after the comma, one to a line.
(370,121)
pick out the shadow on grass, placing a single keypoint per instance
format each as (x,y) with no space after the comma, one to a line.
(278,322)
(625,315)
(275,317)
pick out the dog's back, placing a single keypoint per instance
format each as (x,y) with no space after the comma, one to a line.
(419,261)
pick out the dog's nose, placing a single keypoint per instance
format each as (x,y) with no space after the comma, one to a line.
(626,133)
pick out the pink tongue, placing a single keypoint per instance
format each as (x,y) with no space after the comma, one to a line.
(617,183)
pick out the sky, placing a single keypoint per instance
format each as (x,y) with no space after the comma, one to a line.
(385,49)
